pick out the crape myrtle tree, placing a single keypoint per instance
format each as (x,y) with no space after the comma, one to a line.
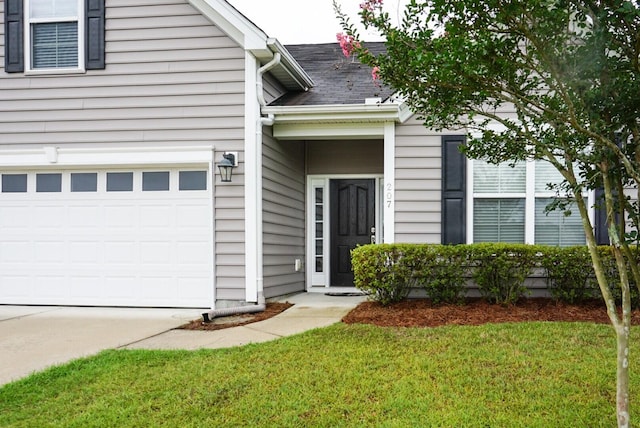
(547,80)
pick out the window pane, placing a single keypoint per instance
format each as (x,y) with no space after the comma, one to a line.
(193,180)
(555,228)
(14,183)
(53,8)
(498,220)
(154,181)
(119,181)
(546,173)
(55,45)
(489,178)
(84,182)
(48,182)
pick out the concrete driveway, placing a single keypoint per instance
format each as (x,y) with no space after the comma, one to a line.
(34,337)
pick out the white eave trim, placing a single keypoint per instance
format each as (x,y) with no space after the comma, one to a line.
(335,113)
(233,23)
(252,39)
(290,65)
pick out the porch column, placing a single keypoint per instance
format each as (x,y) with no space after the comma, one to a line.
(388,195)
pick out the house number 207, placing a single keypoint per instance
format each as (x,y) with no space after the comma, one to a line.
(388,194)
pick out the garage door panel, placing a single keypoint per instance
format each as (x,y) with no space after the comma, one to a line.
(156,216)
(49,216)
(88,252)
(190,253)
(130,248)
(15,218)
(85,217)
(121,252)
(15,252)
(50,252)
(120,217)
(52,287)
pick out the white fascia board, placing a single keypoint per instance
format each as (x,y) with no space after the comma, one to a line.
(50,156)
(251,38)
(234,24)
(290,65)
(336,113)
(328,131)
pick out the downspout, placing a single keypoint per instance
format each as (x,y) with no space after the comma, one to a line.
(262,121)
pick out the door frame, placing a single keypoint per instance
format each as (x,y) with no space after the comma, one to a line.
(321,281)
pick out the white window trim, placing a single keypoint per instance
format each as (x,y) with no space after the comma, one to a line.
(28,46)
(529,195)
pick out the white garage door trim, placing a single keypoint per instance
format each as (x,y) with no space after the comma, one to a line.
(174,270)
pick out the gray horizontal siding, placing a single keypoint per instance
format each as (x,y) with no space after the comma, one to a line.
(272,88)
(171,78)
(417,183)
(283,215)
(345,157)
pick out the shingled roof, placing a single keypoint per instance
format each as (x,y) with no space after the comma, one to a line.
(338,80)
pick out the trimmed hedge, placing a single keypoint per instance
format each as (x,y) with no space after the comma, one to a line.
(388,272)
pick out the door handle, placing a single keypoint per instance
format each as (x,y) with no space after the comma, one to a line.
(373,235)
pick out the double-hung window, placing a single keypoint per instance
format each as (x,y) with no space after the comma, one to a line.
(54,34)
(509,202)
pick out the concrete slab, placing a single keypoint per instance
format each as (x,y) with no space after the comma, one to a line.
(310,311)
(33,338)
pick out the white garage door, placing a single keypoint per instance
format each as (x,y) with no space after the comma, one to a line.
(106,238)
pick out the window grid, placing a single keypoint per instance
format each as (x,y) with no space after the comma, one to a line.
(319,229)
(54,35)
(534,193)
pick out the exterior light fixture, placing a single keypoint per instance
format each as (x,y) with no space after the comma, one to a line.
(226,166)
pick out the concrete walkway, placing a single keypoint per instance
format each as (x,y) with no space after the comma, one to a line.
(33,338)
(310,310)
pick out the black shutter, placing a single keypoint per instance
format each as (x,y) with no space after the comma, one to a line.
(453,190)
(94,31)
(13,36)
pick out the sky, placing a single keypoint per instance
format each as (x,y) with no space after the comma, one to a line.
(304,21)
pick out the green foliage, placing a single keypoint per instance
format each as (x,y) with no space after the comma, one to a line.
(569,274)
(498,375)
(381,272)
(613,277)
(499,270)
(388,272)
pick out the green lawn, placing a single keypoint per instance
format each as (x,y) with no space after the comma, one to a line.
(503,375)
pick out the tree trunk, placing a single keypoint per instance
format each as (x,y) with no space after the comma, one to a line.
(621,325)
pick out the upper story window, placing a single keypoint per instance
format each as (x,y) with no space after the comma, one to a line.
(54,34)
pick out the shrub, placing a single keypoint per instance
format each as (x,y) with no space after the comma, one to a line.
(443,276)
(499,270)
(569,273)
(388,272)
(380,272)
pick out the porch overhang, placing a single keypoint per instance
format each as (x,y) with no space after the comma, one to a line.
(361,121)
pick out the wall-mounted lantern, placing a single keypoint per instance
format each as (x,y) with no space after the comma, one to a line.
(226,165)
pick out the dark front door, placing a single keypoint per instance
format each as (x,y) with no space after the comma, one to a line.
(352,220)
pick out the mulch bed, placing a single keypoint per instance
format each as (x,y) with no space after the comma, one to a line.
(422,313)
(271,310)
